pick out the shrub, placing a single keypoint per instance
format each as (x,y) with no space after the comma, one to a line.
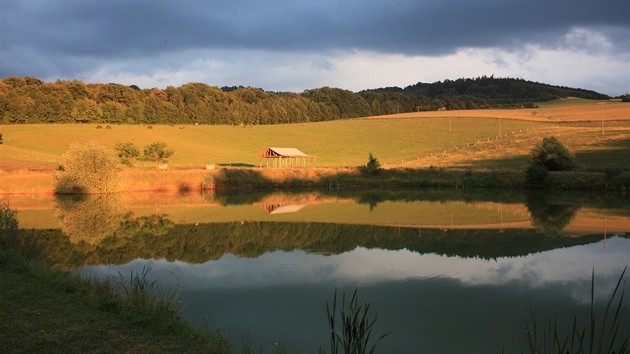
(158,152)
(127,152)
(552,155)
(536,177)
(86,169)
(373,167)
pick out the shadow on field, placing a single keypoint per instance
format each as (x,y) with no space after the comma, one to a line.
(603,159)
(235,164)
(241,178)
(619,144)
(512,162)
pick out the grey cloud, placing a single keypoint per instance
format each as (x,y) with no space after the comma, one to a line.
(414,27)
(71,36)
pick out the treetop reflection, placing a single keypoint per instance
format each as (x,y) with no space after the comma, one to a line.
(101,229)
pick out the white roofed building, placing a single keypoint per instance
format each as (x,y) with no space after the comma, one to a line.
(286,157)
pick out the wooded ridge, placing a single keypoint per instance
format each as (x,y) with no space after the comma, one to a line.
(28,100)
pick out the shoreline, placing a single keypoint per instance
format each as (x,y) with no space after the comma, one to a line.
(226,179)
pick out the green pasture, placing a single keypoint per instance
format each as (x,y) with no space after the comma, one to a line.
(337,143)
(406,142)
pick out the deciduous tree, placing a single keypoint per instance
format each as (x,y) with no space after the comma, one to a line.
(127,152)
(552,155)
(158,152)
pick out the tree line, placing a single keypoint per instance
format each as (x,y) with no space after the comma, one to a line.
(28,100)
(158,236)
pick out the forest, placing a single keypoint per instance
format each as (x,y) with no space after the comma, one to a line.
(28,100)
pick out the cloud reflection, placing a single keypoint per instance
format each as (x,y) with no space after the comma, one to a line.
(364,267)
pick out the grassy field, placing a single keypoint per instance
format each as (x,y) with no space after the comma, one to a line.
(479,138)
(81,316)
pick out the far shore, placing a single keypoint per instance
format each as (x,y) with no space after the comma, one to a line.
(188,180)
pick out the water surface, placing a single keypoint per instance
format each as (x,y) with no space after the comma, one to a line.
(446,271)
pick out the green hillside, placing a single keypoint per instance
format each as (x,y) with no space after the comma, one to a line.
(339,143)
(28,100)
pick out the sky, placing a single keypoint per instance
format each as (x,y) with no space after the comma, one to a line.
(295,45)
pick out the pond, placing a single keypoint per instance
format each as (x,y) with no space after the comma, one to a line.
(446,271)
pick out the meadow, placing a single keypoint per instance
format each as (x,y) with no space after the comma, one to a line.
(488,139)
(598,135)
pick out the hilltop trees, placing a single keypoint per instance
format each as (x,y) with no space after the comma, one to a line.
(33,101)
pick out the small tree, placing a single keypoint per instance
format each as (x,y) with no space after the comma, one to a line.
(0,138)
(86,169)
(127,152)
(8,226)
(158,152)
(373,167)
(552,155)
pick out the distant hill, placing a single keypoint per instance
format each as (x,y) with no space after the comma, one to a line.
(484,92)
(28,100)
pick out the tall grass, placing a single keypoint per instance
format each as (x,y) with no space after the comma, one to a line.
(598,335)
(141,298)
(139,288)
(137,298)
(355,329)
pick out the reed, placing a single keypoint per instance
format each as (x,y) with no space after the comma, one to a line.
(598,335)
(356,325)
(141,298)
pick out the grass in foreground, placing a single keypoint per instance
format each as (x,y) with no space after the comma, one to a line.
(82,316)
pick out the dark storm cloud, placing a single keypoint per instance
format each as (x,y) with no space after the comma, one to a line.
(68,36)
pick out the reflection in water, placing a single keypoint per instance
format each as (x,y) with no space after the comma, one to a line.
(550,218)
(158,237)
(90,218)
(149,225)
(447,272)
(313,222)
(431,303)
(281,209)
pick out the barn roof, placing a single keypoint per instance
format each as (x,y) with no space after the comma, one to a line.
(283,152)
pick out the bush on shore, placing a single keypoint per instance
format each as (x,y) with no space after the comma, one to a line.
(86,169)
